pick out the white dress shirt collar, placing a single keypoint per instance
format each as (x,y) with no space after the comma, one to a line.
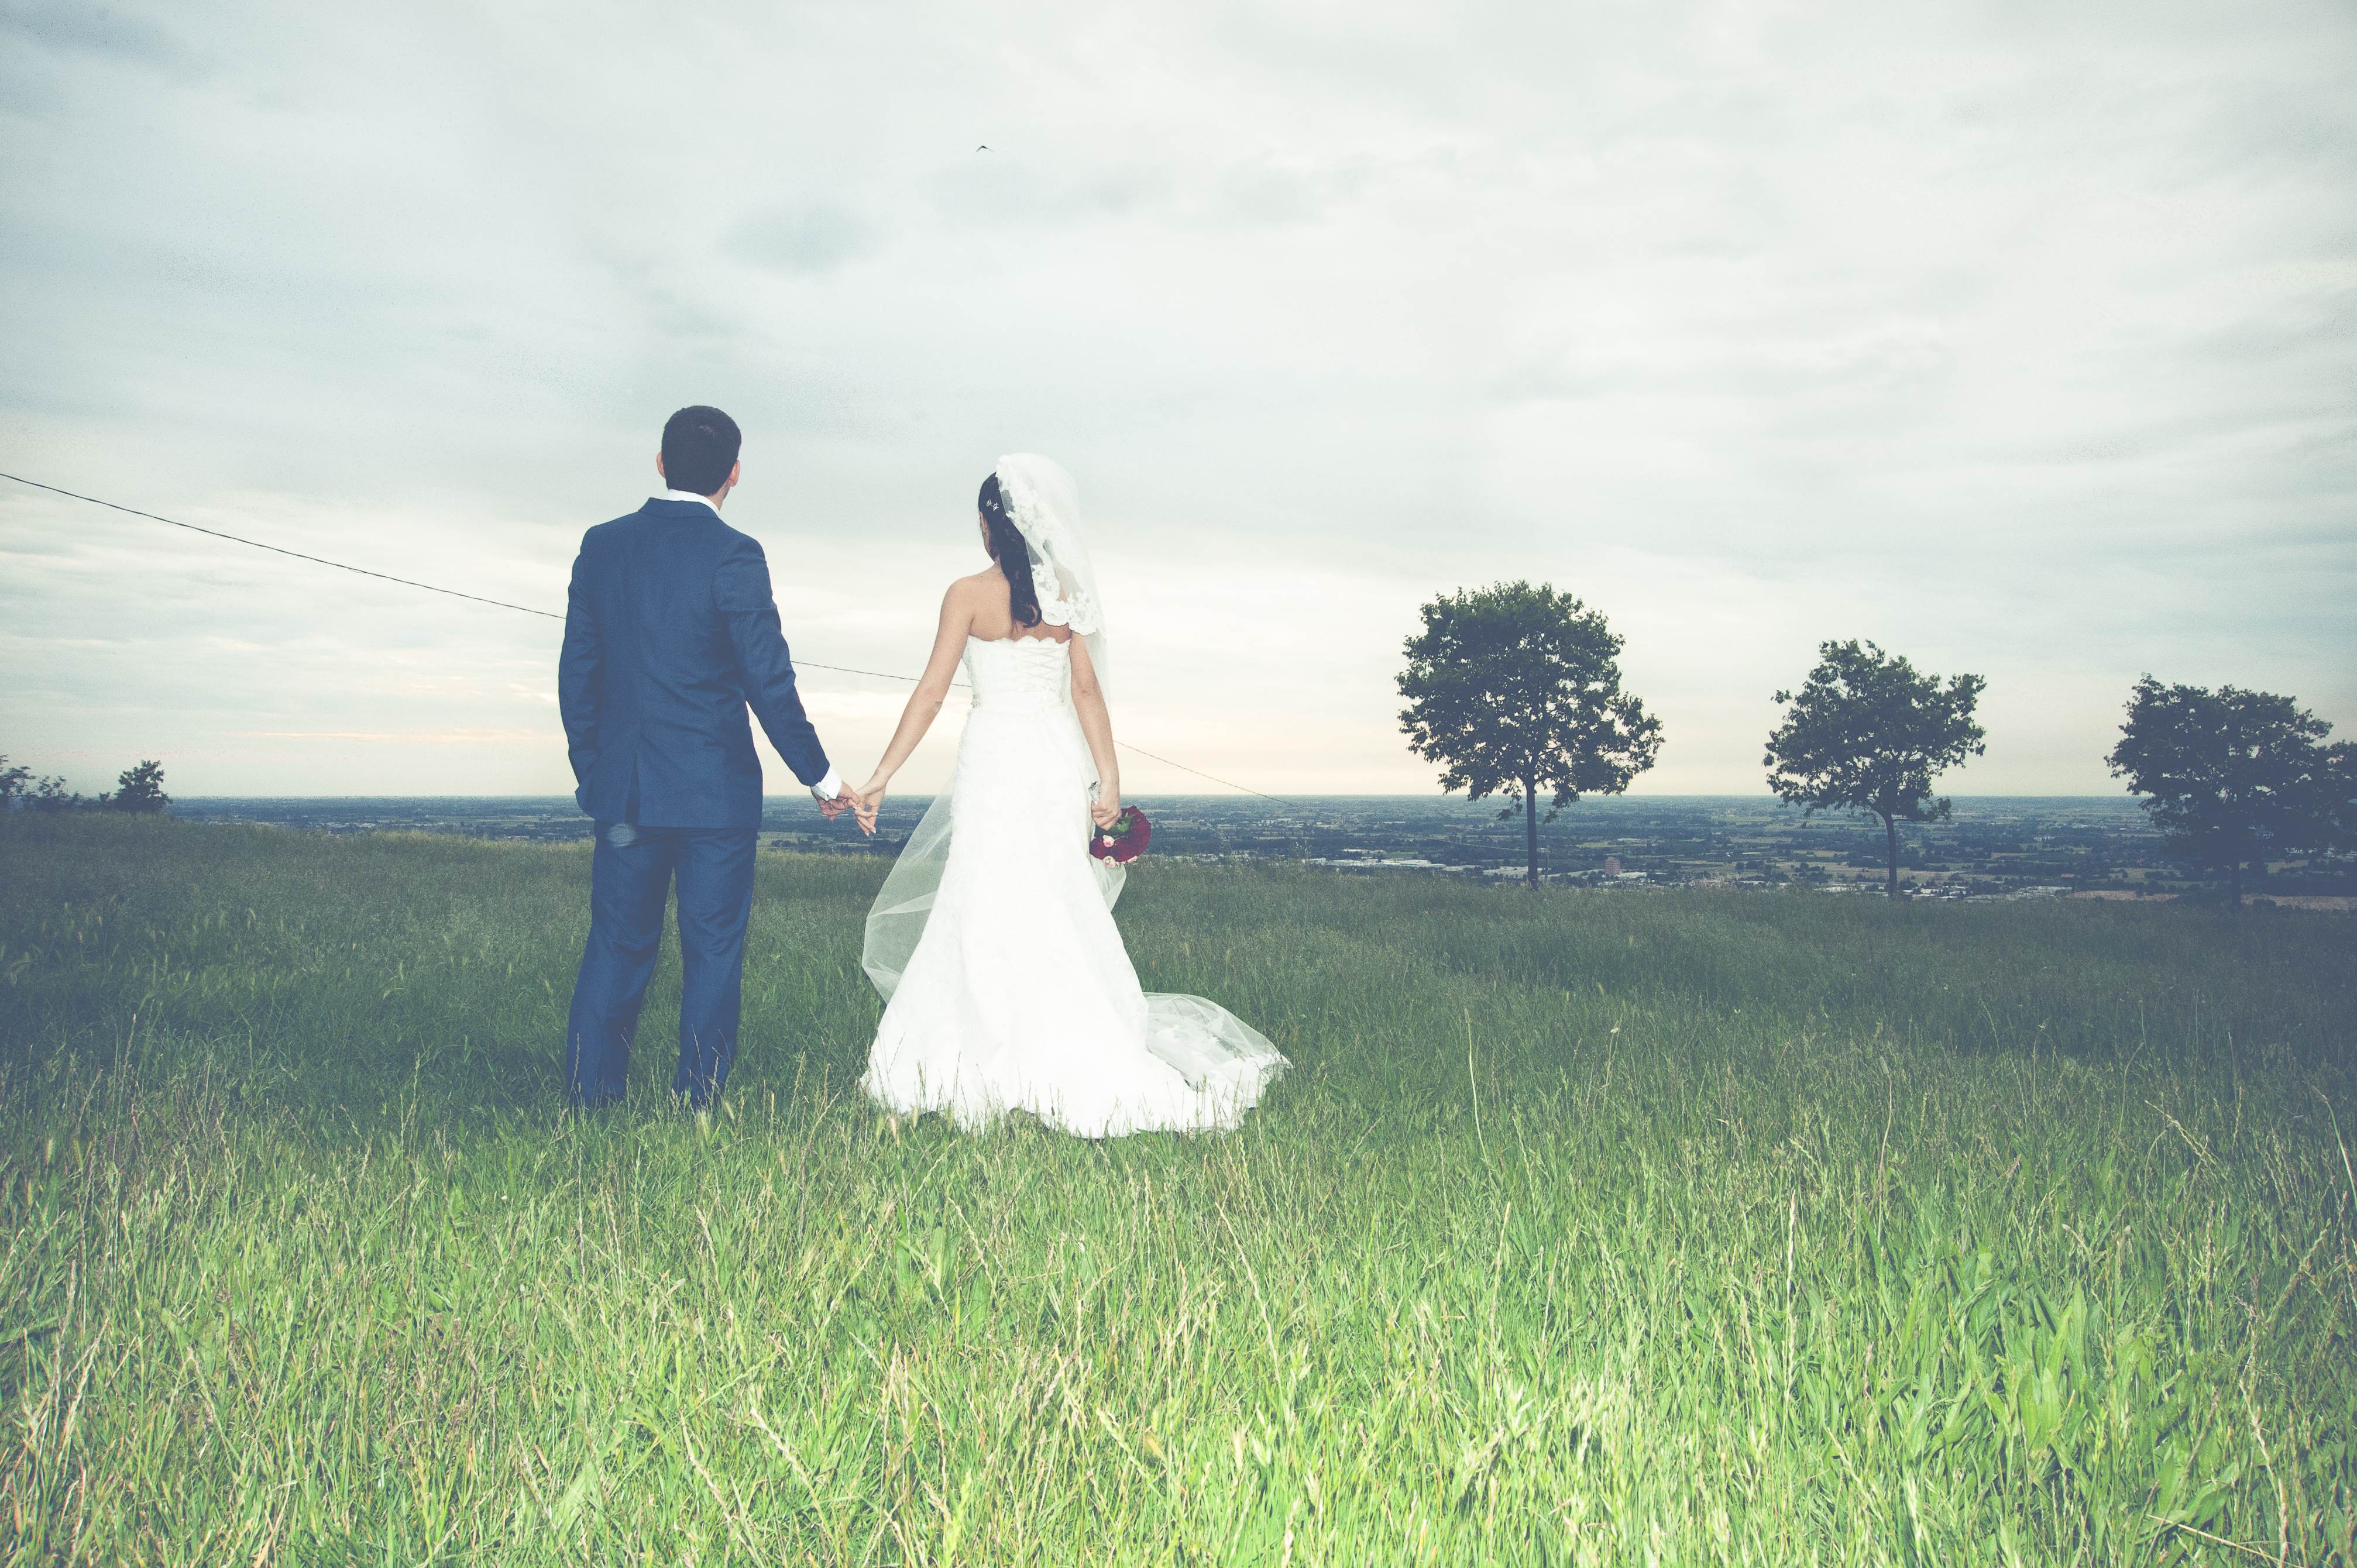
(688,496)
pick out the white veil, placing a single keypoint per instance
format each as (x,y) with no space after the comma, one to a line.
(1044,505)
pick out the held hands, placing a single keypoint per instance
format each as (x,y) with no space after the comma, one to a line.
(869,800)
(862,804)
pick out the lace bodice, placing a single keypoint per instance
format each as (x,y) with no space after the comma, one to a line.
(1023,671)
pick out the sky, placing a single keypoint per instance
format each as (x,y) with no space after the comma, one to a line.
(2019,338)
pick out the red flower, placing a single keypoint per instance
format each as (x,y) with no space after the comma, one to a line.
(1126,840)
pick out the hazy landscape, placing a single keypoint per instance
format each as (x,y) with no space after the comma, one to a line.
(1998,847)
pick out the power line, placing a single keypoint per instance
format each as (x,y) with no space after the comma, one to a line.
(1184,769)
(276,550)
(525,609)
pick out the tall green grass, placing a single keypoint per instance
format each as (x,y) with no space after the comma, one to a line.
(1589,1228)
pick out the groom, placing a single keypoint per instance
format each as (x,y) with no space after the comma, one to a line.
(670,633)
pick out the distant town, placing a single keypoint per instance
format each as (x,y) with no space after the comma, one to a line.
(1994,847)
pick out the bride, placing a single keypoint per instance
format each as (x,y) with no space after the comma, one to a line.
(1005,984)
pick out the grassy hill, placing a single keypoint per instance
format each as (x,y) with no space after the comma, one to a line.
(1588,1229)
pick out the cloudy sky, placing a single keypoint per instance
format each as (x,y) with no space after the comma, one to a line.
(2021,338)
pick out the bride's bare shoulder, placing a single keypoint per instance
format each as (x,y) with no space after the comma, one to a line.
(965,599)
(965,595)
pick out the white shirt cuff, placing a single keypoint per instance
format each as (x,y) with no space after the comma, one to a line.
(828,787)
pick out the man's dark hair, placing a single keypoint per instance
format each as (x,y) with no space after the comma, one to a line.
(699,447)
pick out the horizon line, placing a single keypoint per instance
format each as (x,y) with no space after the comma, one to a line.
(1171,795)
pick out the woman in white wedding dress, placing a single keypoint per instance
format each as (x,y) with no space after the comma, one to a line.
(1007,985)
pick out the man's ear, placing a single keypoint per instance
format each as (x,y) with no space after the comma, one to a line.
(658,471)
(735,471)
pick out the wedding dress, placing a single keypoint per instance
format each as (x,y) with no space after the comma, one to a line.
(1006,984)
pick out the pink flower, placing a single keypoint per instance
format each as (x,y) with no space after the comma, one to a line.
(1131,833)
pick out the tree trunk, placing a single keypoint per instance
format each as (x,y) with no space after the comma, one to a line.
(1531,828)
(1891,838)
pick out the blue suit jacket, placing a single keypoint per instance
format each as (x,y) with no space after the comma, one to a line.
(670,633)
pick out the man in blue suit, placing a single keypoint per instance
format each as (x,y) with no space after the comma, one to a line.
(669,635)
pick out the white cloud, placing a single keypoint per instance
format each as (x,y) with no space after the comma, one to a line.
(2018,339)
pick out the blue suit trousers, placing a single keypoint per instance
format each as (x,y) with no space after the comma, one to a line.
(630,877)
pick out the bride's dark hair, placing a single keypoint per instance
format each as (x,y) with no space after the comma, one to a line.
(1013,557)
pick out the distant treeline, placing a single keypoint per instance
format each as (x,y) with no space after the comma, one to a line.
(139,789)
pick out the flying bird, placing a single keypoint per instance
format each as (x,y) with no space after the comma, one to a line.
(983,148)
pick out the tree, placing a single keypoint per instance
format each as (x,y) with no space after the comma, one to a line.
(20,789)
(2230,776)
(139,790)
(1867,733)
(2334,809)
(1514,687)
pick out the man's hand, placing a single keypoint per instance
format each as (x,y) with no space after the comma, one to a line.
(835,805)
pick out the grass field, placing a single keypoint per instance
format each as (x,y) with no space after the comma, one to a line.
(1588,1229)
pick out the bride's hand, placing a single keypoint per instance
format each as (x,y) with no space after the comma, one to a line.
(871,799)
(1106,812)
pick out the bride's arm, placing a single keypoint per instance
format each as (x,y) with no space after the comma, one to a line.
(1088,701)
(924,703)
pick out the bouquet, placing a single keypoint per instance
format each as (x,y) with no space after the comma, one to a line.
(1124,841)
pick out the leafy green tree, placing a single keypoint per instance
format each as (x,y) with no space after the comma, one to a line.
(1512,688)
(2334,809)
(1867,733)
(20,788)
(139,790)
(2231,776)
